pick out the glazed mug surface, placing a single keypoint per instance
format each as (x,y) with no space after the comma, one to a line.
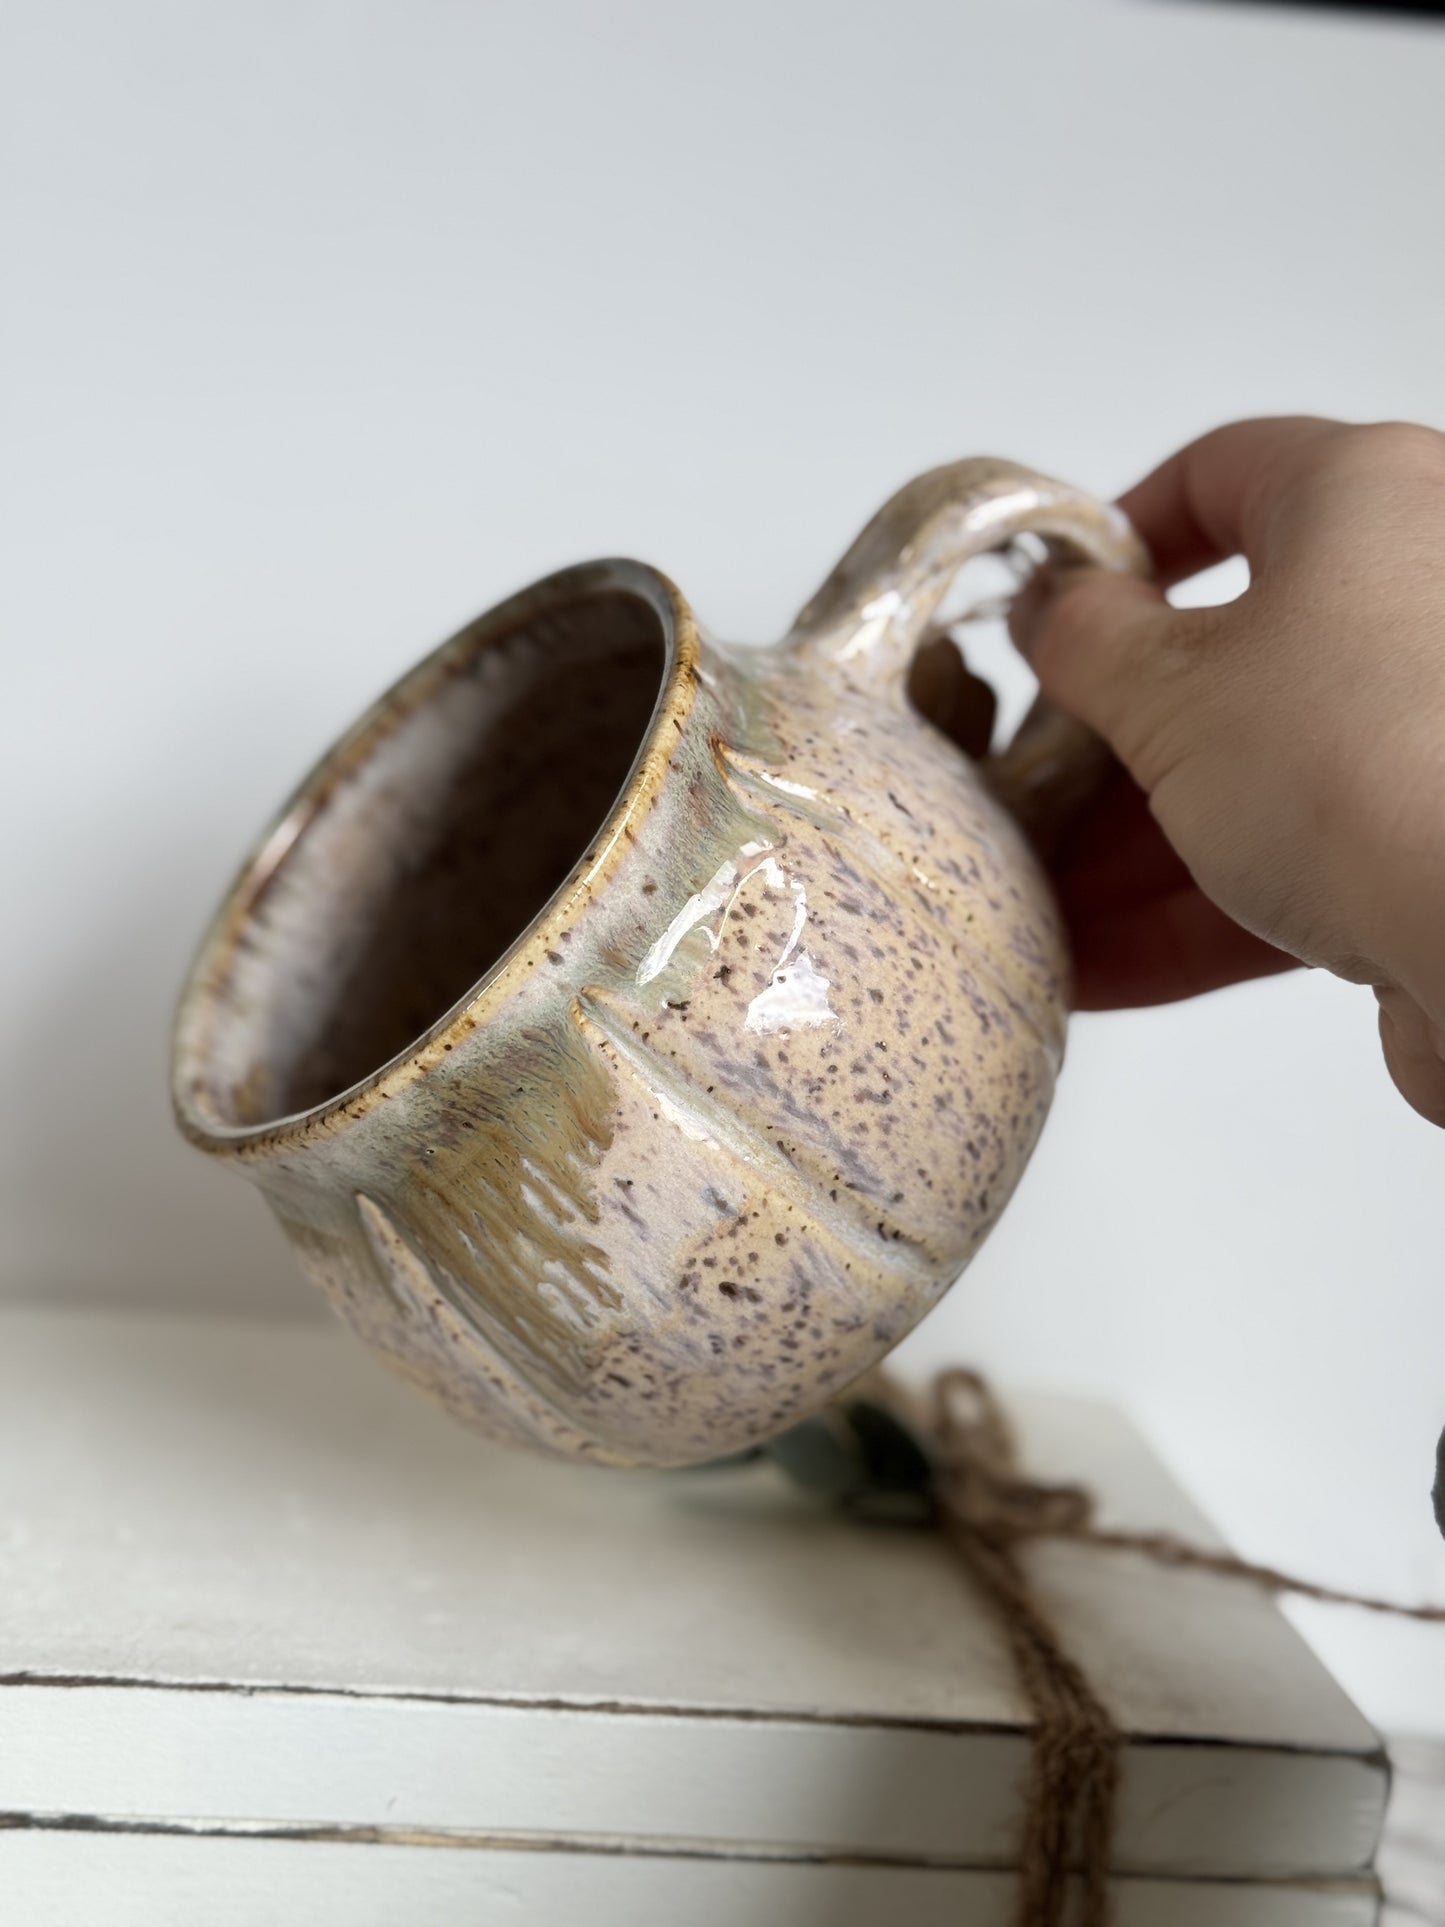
(636,1034)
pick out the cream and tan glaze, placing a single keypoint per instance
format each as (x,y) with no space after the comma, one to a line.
(636,1034)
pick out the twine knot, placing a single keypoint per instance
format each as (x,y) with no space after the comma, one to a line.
(976,1475)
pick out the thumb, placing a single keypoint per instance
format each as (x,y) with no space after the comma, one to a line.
(1104,647)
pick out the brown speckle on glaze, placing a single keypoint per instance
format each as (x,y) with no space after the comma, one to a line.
(635,1126)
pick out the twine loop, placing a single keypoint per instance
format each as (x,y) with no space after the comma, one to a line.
(976,1468)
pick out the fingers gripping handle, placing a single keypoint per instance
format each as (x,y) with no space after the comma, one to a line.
(877,606)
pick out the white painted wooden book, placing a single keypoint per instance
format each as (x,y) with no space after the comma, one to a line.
(280,1644)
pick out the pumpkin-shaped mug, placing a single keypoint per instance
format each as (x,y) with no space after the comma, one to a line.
(634,1034)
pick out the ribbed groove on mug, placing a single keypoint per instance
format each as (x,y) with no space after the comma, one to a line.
(800,1175)
(510,1405)
(890,868)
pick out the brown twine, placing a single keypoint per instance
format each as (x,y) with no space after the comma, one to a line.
(988,1509)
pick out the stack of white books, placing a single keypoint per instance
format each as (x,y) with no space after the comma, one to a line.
(279,1643)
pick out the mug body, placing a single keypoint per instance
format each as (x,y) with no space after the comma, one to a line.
(634,1035)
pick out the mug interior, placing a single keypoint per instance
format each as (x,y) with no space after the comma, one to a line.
(421,849)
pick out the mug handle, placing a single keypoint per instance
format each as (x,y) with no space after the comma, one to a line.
(876,609)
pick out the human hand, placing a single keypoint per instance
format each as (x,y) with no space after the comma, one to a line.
(1282,791)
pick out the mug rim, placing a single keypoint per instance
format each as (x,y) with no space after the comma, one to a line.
(192,1056)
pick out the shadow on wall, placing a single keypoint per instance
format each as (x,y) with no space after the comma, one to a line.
(1430,8)
(105,1201)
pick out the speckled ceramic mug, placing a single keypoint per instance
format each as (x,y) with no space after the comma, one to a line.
(634,1034)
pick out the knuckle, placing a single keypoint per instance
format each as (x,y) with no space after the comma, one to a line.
(1168,692)
(1077,618)
(1361,485)
(1121,664)
(1390,448)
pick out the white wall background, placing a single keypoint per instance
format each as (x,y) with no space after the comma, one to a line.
(327,324)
